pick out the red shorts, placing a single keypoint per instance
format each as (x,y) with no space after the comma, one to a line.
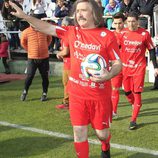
(117,81)
(133,83)
(83,112)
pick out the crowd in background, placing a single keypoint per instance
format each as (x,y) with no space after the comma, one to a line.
(61,8)
(56,10)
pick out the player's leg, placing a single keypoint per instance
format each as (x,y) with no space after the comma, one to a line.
(115,99)
(116,84)
(79,119)
(138,88)
(128,88)
(101,116)
(81,141)
(104,136)
(136,106)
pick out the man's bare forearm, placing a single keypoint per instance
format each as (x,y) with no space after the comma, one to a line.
(41,26)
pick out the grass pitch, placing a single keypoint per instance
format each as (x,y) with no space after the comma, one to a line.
(18,143)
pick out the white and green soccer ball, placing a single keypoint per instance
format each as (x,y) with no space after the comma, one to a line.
(93,65)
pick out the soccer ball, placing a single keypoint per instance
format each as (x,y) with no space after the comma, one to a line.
(93,64)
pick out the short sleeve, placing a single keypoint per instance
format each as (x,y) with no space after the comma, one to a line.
(66,40)
(60,31)
(148,41)
(113,48)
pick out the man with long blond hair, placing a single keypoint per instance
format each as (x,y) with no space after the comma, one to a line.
(90,100)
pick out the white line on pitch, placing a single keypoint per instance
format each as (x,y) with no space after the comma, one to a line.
(92,141)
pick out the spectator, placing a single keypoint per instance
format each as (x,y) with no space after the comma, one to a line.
(38,9)
(27,4)
(90,100)
(155,86)
(112,8)
(134,43)
(61,11)
(100,5)
(105,2)
(144,7)
(4,52)
(125,6)
(66,68)
(12,23)
(51,9)
(36,44)
(1,3)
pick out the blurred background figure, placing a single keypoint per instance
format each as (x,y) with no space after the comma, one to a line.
(66,67)
(112,8)
(51,9)
(155,87)
(61,10)
(144,7)
(125,6)
(4,43)
(12,23)
(36,44)
(100,5)
(38,8)
(1,2)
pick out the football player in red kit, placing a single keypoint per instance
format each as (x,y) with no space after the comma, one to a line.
(118,21)
(89,100)
(134,43)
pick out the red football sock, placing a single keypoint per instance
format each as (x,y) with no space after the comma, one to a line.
(137,105)
(106,143)
(130,98)
(82,149)
(115,99)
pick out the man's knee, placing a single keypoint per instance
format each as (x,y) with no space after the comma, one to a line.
(30,76)
(128,93)
(80,133)
(102,134)
(115,88)
(137,92)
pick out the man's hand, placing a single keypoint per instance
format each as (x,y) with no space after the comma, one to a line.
(18,12)
(59,56)
(106,76)
(156,72)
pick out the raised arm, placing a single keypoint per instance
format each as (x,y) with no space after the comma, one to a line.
(40,25)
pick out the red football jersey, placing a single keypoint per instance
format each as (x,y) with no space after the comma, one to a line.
(118,36)
(81,43)
(66,60)
(133,46)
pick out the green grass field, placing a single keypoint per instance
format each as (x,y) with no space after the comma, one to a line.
(21,143)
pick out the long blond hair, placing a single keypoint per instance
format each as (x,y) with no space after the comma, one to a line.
(96,11)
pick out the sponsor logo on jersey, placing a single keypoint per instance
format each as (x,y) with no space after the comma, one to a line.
(78,36)
(85,46)
(134,43)
(125,37)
